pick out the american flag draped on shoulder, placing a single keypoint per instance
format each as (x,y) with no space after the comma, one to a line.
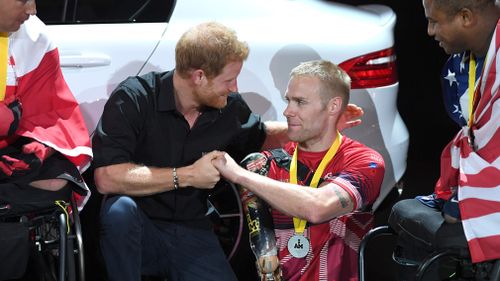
(455,86)
(472,165)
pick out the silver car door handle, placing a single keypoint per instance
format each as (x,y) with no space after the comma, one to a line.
(84,60)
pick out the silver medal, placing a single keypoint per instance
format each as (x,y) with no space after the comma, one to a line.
(298,246)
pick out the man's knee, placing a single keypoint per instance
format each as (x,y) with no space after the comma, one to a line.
(119,213)
(50,184)
(412,211)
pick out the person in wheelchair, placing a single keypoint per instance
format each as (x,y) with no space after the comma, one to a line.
(467,190)
(44,142)
(317,229)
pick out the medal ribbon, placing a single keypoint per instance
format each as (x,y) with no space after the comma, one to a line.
(4,56)
(473,94)
(300,224)
(472,87)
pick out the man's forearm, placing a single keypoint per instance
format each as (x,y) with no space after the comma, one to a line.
(132,179)
(276,134)
(139,180)
(315,205)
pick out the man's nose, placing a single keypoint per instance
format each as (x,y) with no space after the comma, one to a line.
(430,29)
(233,87)
(31,7)
(288,111)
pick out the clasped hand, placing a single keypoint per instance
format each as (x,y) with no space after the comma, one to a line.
(226,166)
(204,174)
(207,170)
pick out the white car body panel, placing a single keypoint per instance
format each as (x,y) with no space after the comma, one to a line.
(92,85)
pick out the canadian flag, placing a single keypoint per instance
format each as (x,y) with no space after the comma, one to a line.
(50,113)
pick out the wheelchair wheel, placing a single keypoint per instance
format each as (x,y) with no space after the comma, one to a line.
(226,213)
(78,242)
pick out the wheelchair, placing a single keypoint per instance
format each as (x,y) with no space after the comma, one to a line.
(226,213)
(448,258)
(55,241)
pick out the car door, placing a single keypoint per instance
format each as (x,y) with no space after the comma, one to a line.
(101,42)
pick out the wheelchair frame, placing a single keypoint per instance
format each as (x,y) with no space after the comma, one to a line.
(55,233)
(491,267)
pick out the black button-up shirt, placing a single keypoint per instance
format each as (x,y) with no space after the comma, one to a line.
(140,124)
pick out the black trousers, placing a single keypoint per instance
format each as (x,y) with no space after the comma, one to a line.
(18,198)
(421,231)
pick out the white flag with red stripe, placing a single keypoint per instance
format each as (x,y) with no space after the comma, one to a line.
(50,111)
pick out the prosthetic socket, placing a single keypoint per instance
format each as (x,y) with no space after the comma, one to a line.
(260,225)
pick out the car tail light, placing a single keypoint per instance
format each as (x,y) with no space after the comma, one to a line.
(372,70)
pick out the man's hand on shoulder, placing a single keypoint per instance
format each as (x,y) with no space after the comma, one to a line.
(351,117)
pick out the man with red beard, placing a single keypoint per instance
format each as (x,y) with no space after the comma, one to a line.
(153,149)
(44,143)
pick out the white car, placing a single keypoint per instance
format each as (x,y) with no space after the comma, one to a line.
(103,42)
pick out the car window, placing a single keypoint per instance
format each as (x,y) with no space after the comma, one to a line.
(104,11)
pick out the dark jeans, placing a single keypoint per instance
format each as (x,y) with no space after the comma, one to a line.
(422,230)
(133,245)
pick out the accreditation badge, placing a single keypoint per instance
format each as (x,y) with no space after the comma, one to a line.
(298,246)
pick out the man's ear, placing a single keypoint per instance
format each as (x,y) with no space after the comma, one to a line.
(197,76)
(335,105)
(468,17)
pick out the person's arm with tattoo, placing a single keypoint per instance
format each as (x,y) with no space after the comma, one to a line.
(316,205)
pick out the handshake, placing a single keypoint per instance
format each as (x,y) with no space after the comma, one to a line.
(208,170)
(267,262)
